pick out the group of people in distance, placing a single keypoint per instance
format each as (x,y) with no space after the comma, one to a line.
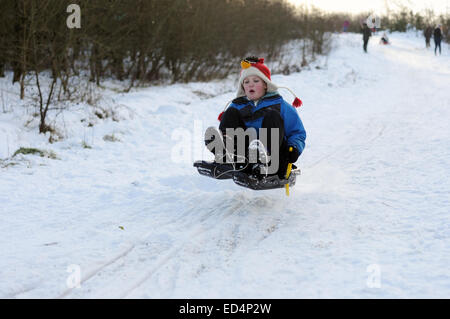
(429,32)
(437,36)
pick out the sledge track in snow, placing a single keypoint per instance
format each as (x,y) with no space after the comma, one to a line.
(196,232)
(206,223)
(95,271)
(92,273)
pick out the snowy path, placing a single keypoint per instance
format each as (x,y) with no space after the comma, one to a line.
(369,217)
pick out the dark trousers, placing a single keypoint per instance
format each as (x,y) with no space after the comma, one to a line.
(437,44)
(366,41)
(272,120)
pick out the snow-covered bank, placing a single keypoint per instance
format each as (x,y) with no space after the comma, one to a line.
(369,217)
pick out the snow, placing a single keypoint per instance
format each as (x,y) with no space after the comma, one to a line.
(131,218)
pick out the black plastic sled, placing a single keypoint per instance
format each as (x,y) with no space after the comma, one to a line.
(255,182)
(214,170)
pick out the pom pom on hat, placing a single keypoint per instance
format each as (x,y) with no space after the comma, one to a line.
(245,64)
(297,102)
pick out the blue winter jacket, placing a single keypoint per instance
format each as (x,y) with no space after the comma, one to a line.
(253,116)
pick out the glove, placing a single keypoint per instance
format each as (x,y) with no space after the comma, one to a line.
(292,157)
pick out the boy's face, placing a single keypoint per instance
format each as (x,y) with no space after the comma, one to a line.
(254,87)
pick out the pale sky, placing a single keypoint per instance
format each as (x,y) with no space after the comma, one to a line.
(376,6)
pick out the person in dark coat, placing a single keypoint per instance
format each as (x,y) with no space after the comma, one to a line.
(428,32)
(366,35)
(437,39)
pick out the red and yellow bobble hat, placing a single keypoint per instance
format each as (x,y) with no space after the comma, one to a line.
(259,69)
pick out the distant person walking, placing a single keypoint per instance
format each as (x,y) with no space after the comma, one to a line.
(366,35)
(428,32)
(437,39)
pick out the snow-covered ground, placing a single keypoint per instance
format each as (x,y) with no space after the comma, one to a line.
(131,217)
